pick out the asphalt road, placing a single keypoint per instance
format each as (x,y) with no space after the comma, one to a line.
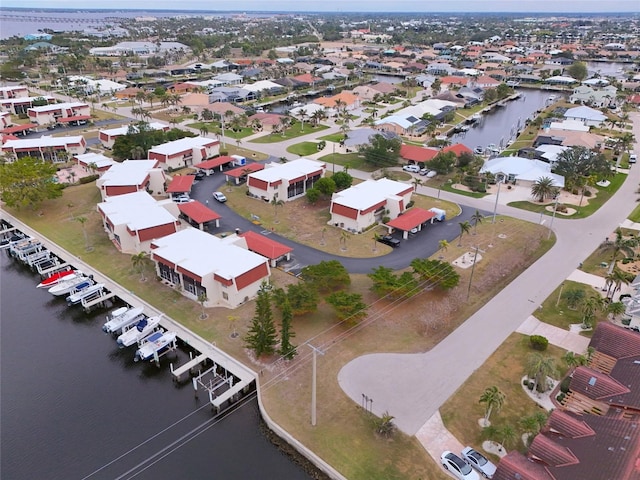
(423,244)
(412,387)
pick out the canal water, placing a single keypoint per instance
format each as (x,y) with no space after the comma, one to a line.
(74,406)
(500,126)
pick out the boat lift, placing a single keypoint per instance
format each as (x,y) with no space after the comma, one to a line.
(213,383)
(97,298)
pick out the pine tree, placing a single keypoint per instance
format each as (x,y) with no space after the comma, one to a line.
(287,350)
(261,337)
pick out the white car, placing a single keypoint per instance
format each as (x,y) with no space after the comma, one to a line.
(479,462)
(219,196)
(411,168)
(458,467)
(431,173)
(182,199)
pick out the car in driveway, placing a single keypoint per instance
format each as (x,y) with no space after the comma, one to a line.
(181,199)
(479,462)
(411,168)
(458,467)
(389,240)
(219,196)
(199,175)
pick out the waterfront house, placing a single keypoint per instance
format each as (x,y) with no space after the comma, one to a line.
(52,149)
(522,170)
(133,220)
(285,181)
(358,207)
(108,136)
(594,97)
(222,270)
(132,176)
(184,152)
(587,115)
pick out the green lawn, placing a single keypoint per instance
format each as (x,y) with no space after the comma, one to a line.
(291,132)
(635,215)
(351,160)
(303,149)
(604,194)
(214,127)
(447,187)
(333,137)
(556,311)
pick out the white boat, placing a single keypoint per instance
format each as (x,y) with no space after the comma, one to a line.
(68,286)
(122,318)
(85,292)
(142,329)
(154,344)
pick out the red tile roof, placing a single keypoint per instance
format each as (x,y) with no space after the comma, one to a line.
(457,148)
(265,246)
(411,219)
(73,119)
(215,162)
(241,171)
(594,384)
(568,425)
(615,341)
(198,212)
(551,453)
(181,184)
(417,154)
(18,128)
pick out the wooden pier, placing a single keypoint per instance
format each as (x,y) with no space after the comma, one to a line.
(188,367)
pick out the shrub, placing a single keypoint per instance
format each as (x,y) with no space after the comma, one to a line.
(530,385)
(386,219)
(587,193)
(561,208)
(538,342)
(88,179)
(223,153)
(411,204)
(564,385)
(525,382)
(560,397)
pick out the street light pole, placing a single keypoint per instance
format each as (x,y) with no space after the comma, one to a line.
(495,207)
(560,294)
(555,208)
(313,384)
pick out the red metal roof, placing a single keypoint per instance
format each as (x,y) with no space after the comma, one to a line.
(417,154)
(411,219)
(458,149)
(73,119)
(240,171)
(181,184)
(265,246)
(615,341)
(215,162)
(198,212)
(18,128)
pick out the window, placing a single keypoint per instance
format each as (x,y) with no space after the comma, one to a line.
(225,295)
(295,189)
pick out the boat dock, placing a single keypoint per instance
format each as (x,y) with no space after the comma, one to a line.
(190,366)
(227,371)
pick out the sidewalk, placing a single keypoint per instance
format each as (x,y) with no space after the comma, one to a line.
(559,337)
(596,281)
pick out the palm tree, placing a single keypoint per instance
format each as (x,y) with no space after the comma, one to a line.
(590,306)
(344,236)
(276,203)
(443,245)
(138,261)
(614,281)
(539,368)
(82,221)
(493,398)
(572,360)
(465,227)
(508,435)
(416,183)
(233,319)
(202,299)
(303,115)
(543,188)
(619,245)
(476,218)
(204,131)
(615,309)
(284,124)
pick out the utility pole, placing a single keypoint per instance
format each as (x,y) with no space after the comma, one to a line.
(553,217)
(560,294)
(473,267)
(495,208)
(313,384)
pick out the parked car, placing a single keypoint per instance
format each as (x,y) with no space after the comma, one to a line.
(389,240)
(411,168)
(199,175)
(424,171)
(633,158)
(431,174)
(479,462)
(182,199)
(219,196)
(458,467)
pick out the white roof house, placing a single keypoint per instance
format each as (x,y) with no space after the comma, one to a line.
(98,161)
(285,181)
(108,136)
(47,147)
(185,151)
(132,176)
(91,85)
(133,220)
(521,169)
(261,85)
(366,203)
(587,115)
(559,79)
(226,273)
(572,125)
(551,152)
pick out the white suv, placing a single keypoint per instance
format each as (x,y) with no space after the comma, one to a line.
(411,168)
(182,199)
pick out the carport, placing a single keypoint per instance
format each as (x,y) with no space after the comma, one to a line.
(74,120)
(413,218)
(266,247)
(19,129)
(238,173)
(198,213)
(181,184)
(209,166)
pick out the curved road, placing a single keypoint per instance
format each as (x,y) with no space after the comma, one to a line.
(412,387)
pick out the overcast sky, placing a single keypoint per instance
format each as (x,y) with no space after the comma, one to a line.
(569,6)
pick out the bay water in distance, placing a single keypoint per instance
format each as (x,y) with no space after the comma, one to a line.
(75,406)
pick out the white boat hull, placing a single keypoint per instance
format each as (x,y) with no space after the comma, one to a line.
(142,329)
(64,288)
(77,297)
(155,343)
(122,321)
